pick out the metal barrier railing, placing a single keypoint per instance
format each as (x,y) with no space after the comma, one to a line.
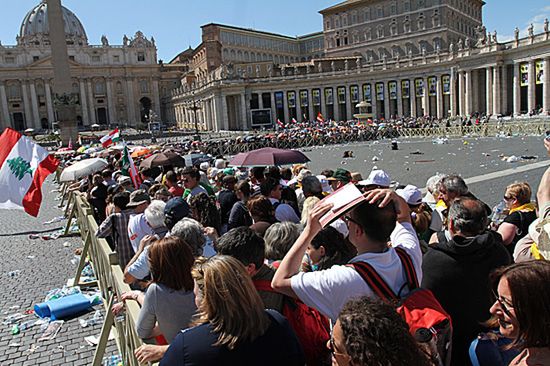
(110,281)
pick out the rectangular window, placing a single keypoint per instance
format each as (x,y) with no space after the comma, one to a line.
(9,60)
(96,58)
(141,56)
(329,97)
(341,95)
(35,58)
(71,58)
(116,58)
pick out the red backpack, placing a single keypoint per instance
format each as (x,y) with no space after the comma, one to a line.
(428,322)
(310,326)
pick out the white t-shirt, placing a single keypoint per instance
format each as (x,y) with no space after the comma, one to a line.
(329,290)
(137,229)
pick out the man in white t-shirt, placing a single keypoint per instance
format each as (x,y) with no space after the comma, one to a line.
(371,225)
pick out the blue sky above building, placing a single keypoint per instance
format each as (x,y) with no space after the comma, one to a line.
(175,24)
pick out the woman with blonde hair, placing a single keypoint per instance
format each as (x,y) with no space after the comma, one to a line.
(232,327)
(522,213)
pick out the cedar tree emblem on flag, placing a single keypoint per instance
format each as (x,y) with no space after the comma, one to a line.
(19,167)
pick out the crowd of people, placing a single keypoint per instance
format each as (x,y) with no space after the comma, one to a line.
(232,266)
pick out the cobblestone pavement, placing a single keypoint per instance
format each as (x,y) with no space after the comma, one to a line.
(43,265)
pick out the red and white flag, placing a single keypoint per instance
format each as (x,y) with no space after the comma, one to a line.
(24,165)
(281,124)
(294,120)
(109,139)
(320,118)
(129,168)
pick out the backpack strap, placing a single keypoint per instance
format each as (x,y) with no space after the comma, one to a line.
(408,266)
(373,279)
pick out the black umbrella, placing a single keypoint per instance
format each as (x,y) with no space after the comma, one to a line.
(162,159)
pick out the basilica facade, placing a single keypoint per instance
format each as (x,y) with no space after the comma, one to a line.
(116,84)
(406,58)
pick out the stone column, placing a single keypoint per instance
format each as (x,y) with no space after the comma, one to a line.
(426,98)
(439,96)
(412,97)
(469,93)
(273,108)
(489,90)
(299,117)
(91,102)
(285,107)
(323,104)
(34,106)
(84,102)
(26,104)
(310,105)
(131,105)
(111,101)
(336,105)
(517,90)
(4,107)
(349,109)
(373,100)
(49,102)
(452,95)
(156,96)
(497,109)
(461,94)
(531,102)
(399,99)
(222,112)
(244,113)
(504,89)
(387,112)
(546,86)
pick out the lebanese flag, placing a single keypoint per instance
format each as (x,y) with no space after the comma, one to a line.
(281,124)
(320,118)
(24,166)
(294,120)
(108,140)
(129,168)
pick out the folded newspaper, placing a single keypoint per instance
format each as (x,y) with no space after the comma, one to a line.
(344,199)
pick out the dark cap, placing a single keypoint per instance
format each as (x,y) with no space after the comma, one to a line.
(137,198)
(342,175)
(175,210)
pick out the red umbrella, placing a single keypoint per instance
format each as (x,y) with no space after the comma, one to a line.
(269,156)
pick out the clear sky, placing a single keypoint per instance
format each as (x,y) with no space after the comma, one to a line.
(175,24)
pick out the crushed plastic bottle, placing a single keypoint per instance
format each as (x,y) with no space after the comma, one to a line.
(499,213)
(13,318)
(65,291)
(96,319)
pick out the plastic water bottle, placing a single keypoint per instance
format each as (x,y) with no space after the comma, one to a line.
(499,213)
(428,341)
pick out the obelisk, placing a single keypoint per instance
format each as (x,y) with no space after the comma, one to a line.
(64,99)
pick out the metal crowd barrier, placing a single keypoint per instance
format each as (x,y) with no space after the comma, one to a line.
(109,280)
(231,147)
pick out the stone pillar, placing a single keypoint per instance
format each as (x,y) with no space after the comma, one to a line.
(531,102)
(156,96)
(546,86)
(34,106)
(336,105)
(49,102)
(387,112)
(412,97)
(517,90)
(461,94)
(26,104)
(285,107)
(91,104)
(223,112)
(440,104)
(373,100)
(310,106)
(468,110)
(111,101)
(489,90)
(273,109)
(426,98)
(497,108)
(399,99)
(299,116)
(504,90)
(349,109)
(131,105)
(4,107)
(452,95)
(84,102)
(323,104)
(244,113)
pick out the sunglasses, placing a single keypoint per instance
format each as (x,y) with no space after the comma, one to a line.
(347,219)
(504,304)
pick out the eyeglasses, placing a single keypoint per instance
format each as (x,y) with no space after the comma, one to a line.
(504,304)
(508,198)
(341,358)
(347,219)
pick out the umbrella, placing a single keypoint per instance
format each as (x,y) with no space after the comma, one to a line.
(269,156)
(82,169)
(162,159)
(140,152)
(196,159)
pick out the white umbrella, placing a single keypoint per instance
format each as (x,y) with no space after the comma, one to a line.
(95,125)
(82,169)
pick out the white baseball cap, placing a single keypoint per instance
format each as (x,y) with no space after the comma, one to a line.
(411,194)
(377,177)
